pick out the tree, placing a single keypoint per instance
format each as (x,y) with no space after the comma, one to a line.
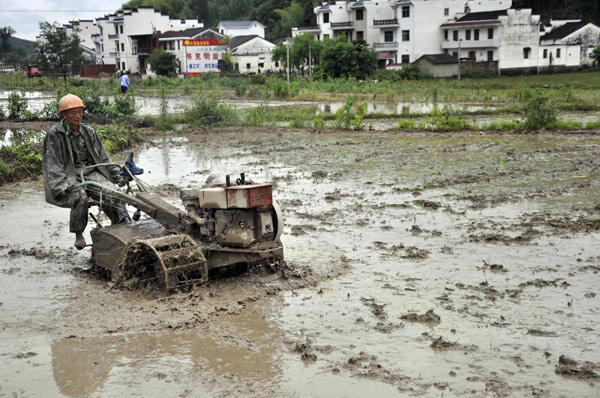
(596,55)
(340,58)
(303,48)
(58,49)
(162,62)
(290,16)
(5,34)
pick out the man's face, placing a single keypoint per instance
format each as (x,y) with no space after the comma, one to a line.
(73,117)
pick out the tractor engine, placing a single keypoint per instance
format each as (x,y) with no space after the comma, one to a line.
(234,215)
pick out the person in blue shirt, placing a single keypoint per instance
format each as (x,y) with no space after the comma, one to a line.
(125,83)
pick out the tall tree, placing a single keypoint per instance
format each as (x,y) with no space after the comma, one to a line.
(58,49)
(5,34)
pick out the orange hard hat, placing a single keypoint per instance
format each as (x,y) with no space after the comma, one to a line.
(70,101)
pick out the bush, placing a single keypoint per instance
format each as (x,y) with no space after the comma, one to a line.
(117,137)
(125,104)
(207,110)
(164,123)
(17,103)
(540,112)
(346,119)
(446,120)
(20,161)
(2,113)
(258,79)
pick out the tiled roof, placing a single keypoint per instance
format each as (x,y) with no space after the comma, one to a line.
(182,33)
(482,16)
(440,59)
(565,30)
(239,40)
(236,24)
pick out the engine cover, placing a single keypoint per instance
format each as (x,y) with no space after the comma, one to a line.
(235,227)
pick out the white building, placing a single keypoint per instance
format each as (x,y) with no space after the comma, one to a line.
(125,38)
(253,54)
(198,50)
(241,28)
(508,37)
(568,43)
(488,34)
(400,30)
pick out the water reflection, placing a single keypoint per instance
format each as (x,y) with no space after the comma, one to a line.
(151,362)
(20,137)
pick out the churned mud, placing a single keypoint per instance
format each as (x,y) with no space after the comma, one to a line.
(416,265)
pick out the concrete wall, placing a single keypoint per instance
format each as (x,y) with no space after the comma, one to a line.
(519,30)
(430,70)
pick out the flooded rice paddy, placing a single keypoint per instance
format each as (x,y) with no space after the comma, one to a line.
(417,265)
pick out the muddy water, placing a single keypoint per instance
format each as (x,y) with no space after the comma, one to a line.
(498,235)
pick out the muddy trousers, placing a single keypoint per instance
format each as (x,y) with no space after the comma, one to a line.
(77,201)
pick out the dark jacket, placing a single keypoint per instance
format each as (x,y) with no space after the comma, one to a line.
(57,160)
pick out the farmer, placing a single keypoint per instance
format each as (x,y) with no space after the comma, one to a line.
(69,147)
(125,83)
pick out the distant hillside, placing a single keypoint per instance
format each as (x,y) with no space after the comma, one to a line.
(27,45)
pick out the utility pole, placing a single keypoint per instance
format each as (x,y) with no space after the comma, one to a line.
(309,62)
(458,54)
(288,62)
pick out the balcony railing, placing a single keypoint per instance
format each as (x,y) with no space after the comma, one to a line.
(341,25)
(315,27)
(141,51)
(385,22)
(470,44)
(388,45)
(113,53)
(113,36)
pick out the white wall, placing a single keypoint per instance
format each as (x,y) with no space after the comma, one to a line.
(255,52)
(254,29)
(519,30)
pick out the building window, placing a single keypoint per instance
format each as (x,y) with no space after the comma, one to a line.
(446,12)
(360,15)
(405,11)
(121,28)
(102,46)
(446,35)
(490,55)
(247,66)
(405,59)
(454,54)
(455,35)
(359,35)
(123,47)
(490,33)
(476,34)
(472,55)
(558,53)
(406,35)
(261,65)
(526,52)
(325,18)
(468,34)
(123,63)
(277,64)
(388,36)
(545,53)
(178,45)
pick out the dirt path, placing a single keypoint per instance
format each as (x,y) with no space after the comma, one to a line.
(419,265)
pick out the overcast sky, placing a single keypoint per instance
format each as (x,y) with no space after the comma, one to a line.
(24,16)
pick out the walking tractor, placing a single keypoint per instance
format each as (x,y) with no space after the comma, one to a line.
(237,222)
